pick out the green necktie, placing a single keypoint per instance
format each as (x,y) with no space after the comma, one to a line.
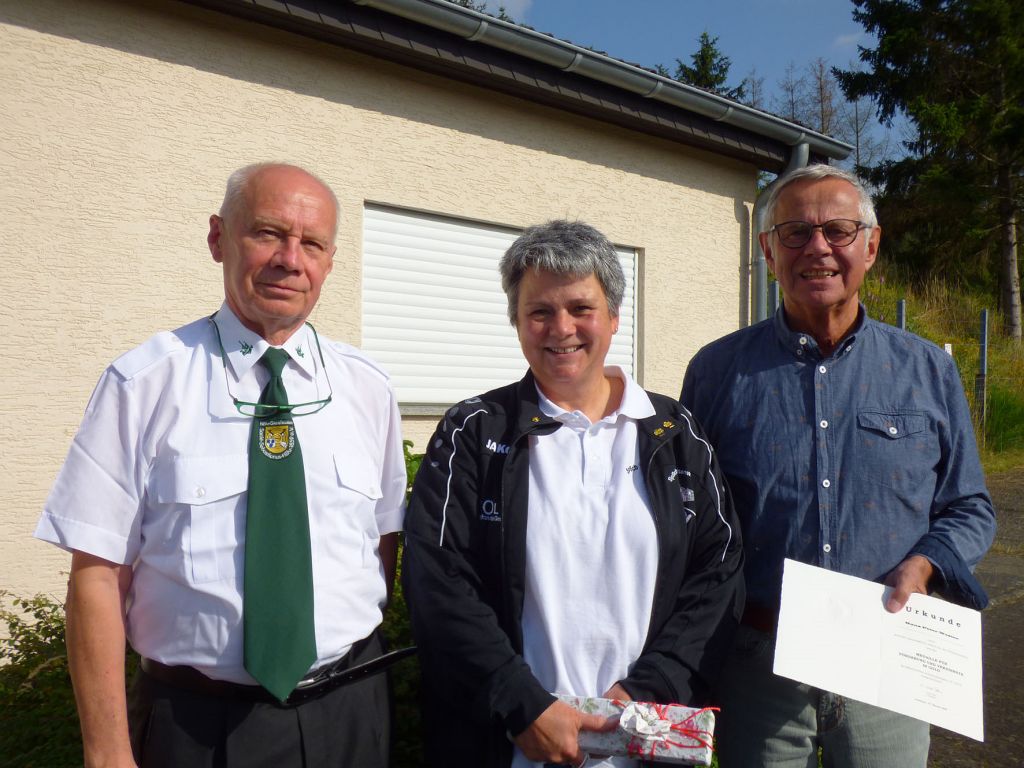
(280,645)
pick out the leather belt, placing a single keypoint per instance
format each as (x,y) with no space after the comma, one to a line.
(314,685)
(760,618)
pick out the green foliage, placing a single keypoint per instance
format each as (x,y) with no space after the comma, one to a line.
(955,68)
(37,706)
(1004,427)
(412,465)
(405,676)
(709,69)
(405,682)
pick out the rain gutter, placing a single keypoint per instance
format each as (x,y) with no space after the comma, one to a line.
(481,28)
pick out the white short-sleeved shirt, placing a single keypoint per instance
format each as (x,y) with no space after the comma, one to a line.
(591,551)
(156,477)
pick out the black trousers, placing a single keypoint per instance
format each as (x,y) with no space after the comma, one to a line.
(349,727)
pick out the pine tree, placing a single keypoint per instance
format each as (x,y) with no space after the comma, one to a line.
(955,68)
(709,69)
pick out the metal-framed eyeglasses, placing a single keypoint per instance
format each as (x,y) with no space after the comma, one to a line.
(837,232)
(262,410)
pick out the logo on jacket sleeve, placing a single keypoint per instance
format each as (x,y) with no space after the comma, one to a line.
(494,447)
(489,511)
(685,491)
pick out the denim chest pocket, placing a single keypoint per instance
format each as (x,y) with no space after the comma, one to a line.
(210,487)
(896,448)
(892,426)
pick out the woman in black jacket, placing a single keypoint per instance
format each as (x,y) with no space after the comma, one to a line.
(568,533)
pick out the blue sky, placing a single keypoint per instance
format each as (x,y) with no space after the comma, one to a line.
(763,34)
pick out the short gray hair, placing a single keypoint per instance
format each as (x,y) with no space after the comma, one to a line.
(562,248)
(817,172)
(239,181)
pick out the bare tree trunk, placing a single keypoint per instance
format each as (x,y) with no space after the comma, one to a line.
(1010,277)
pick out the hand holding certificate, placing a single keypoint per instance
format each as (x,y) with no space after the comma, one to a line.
(924,661)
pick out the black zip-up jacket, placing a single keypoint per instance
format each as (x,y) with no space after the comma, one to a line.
(463,572)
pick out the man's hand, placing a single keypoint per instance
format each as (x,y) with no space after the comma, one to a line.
(910,576)
(552,737)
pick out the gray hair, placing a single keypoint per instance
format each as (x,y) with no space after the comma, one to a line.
(239,181)
(562,248)
(817,172)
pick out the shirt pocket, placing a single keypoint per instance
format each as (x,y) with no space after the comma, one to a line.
(211,488)
(359,479)
(895,448)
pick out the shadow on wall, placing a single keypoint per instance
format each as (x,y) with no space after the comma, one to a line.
(250,52)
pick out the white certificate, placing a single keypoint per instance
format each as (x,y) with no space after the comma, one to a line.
(925,661)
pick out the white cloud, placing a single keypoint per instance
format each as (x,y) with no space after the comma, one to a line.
(844,42)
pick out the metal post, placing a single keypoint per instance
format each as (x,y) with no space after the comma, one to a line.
(981,379)
(901,314)
(773,297)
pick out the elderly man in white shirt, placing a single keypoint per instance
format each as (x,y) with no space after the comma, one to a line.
(157,503)
(567,534)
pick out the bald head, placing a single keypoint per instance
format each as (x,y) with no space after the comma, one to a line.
(240,181)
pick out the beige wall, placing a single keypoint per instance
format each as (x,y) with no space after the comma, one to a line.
(122,121)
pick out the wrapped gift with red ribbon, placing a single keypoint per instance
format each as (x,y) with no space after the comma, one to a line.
(662,733)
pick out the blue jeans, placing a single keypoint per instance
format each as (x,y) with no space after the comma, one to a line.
(775,722)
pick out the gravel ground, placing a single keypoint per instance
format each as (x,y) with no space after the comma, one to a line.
(1002,574)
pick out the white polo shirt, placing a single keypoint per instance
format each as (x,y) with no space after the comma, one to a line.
(591,550)
(156,477)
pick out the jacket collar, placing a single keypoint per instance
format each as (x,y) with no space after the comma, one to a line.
(531,418)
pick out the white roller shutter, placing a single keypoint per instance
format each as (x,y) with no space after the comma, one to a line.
(434,314)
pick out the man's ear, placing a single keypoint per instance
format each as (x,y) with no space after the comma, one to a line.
(871,252)
(765,239)
(213,238)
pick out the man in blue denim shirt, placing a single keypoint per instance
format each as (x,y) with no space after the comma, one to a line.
(847,444)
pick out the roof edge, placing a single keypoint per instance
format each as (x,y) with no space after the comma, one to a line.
(487,30)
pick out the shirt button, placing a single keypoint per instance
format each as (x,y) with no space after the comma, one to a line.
(200,492)
(803,340)
(827,548)
(824,423)
(826,483)
(822,369)
(799,351)
(893,430)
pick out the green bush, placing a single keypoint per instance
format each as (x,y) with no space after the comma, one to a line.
(405,676)
(37,707)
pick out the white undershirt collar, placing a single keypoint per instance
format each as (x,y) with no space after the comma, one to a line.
(635,403)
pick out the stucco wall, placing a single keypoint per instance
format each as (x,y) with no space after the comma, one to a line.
(122,121)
